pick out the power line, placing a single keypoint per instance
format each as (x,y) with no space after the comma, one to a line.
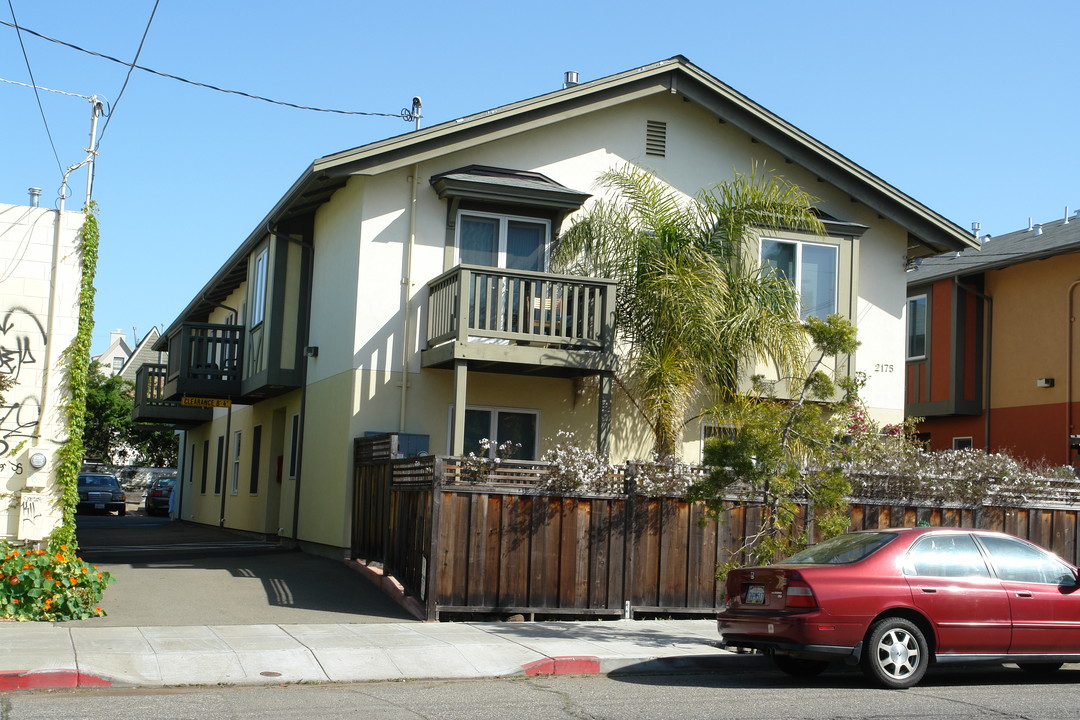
(37,95)
(405,114)
(131,69)
(39,87)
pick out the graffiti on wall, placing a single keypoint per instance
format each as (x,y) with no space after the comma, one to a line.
(22,340)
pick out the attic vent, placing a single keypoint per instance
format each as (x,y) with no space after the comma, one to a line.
(656,138)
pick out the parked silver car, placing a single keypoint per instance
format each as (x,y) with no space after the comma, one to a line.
(158,495)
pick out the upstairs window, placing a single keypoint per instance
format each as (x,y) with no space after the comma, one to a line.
(503,241)
(811,268)
(916,327)
(258,287)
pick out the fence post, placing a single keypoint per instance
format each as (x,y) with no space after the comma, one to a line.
(629,538)
(432,571)
(388,512)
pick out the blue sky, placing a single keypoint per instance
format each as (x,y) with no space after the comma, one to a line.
(970,107)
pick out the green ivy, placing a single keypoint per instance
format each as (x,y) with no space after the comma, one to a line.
(76,359)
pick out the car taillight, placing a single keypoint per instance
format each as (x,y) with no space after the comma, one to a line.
(800,595)
(156,493)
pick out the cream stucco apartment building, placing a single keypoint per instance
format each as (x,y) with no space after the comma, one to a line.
(404,286)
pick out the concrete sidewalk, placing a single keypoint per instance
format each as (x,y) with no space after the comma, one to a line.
(44,655)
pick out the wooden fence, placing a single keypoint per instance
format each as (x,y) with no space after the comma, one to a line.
(508,548)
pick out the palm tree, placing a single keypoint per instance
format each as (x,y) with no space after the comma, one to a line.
(692,305)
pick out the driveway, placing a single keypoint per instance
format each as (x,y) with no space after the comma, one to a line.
(176,573)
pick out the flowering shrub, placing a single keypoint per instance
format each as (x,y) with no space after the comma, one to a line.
(477,467)
(889,463)
(49,585)
(575,469)
(663,475)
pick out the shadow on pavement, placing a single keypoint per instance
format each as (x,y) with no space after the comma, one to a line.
(172,573)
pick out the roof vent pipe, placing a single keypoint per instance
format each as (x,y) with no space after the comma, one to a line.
(1038,229)
(570,79)
(1030,226)
(1066,216)
(35,196)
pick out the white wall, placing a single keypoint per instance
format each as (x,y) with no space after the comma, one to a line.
(36,325)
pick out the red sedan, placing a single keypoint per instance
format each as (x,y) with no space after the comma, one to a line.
(893,601)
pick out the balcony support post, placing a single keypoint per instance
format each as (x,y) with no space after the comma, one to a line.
(603,415)
(457,436)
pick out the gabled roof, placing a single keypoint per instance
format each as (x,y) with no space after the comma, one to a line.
(1041,241)
(929,232)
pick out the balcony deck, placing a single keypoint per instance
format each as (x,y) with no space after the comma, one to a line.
(152,407)
(205,360)
(522,322)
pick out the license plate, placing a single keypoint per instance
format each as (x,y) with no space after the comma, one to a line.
(755,595)
(99,506)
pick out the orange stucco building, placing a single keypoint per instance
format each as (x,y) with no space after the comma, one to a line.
(992,344)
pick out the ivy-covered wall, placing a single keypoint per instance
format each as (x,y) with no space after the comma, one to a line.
(40,288)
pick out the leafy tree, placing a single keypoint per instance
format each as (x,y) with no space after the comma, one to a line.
(110,432)
(787,457)
(692,305)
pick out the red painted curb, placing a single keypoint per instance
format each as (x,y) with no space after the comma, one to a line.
(581,665)
(48,680)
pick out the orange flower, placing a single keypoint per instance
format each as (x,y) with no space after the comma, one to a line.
(26,566)
(74,580)
(99,611)
(14,580)
(86,570)
(15,601)
(60,558)
(39,551)
(99,576)
(64,548)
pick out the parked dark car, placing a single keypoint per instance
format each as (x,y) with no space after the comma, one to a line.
(894,601)
(158,494)
(98,491)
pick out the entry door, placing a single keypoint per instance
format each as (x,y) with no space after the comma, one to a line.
(1043,594)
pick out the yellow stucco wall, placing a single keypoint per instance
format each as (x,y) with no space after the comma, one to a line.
(1031,329)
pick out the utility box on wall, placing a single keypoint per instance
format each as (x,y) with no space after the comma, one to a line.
(408,444)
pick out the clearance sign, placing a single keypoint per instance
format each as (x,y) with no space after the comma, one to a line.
(205,402)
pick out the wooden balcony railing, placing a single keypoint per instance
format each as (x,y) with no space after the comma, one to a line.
(151,405)
(481,304)
(205,360)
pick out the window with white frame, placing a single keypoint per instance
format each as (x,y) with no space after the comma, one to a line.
(234,486)
(499,425)
(258,287)
(504,241)
(812,268)
(118,364)
(916,327)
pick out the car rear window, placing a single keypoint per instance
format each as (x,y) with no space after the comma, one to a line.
(841,549)
(98,481)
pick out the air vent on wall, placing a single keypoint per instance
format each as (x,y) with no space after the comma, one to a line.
(656,138)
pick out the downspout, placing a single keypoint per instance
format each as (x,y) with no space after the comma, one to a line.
(406,287)
(989,355)
(308,265)
(1069,320)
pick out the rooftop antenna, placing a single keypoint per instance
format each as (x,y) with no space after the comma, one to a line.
(413,115)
